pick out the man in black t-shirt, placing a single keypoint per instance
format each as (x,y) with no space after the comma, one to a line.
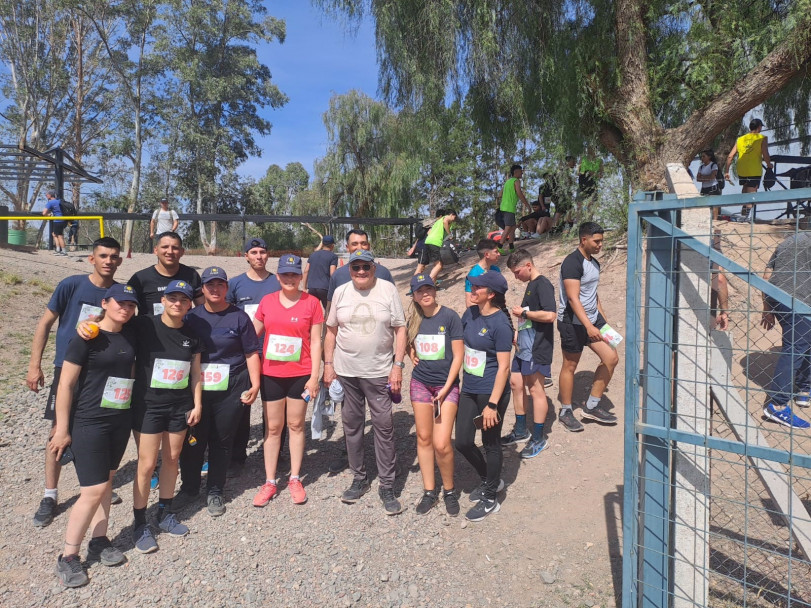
(320,266)
(580,318)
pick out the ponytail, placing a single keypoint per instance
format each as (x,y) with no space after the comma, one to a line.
(415,317)
(500,301)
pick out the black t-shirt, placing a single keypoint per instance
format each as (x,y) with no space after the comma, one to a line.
(149,284)
(434,348)
(320,262)
(162,369)
(104,387)
(540,295)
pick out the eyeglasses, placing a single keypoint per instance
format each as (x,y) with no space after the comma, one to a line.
(359,267)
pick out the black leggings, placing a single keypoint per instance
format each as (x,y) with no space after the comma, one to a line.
(488,466)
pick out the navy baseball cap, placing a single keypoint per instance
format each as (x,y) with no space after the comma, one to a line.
(494,281)
(213,272)
(289,263)
(361,255)
(255,242)
(121,293)
(420,280)
(180,287)
(328,240)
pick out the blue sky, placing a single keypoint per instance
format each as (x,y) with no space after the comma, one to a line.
(318,59)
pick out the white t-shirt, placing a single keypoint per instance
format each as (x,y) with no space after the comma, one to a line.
(706,170)
(165,220)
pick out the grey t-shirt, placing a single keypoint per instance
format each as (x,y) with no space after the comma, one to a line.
(791,266)
(575,266)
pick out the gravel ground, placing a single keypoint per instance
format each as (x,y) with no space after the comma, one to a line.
(554,542)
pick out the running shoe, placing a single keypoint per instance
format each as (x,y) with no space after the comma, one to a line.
(144,539)
(451,502)
(297,492)
(265,494)
(353,493)
(338,464)
(183,499)
(598,414)
(785,417)
(171,526)
(477,495)
(502,251)
(204,468)
(482,509)
(389,500)
(45,513)
(515,436)
(153,483)
(70,571)
(427,502)
(802,399)
(533,448)
(115,499)
(100,549)
(215,504)
(548,383)
(569,422)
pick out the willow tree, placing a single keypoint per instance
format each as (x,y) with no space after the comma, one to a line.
(654,81)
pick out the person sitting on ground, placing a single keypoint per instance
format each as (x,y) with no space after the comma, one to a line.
(488,256)
(439,231)
(536,223)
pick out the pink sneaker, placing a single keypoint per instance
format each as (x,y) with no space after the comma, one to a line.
(265,494)
(297,492)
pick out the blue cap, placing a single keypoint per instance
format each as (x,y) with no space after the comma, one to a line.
(255,242)
(494,281)
(121,293)
(420,280)
(361,255)
(289,263)
(180,287)
(213,272)
(328,240)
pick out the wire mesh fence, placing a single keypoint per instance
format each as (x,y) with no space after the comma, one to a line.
(718,454)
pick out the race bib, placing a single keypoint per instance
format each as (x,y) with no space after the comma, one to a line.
(117,393)
(430,347)
(250,310)
(475,360)
(88,313)
(283,348)
(215,376)
(157,309)
(169,373)
(527,324)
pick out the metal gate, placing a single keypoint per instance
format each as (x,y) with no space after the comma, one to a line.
(716,498)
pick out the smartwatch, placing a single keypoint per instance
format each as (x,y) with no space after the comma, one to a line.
(400,364)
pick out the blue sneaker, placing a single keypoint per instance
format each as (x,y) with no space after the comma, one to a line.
(153,484)
(785,417)
(171,526)
(144,539)
(533,448)
(515,436)
(204,468)
(802,398)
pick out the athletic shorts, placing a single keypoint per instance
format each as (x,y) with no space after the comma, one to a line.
(710,191)
(509,218)
(58,227)
(527,368)
(155,420)
(429,254)
(422,393)
(98,447)
(321,294)
(753,182)
(50,404)
(276,389)
(573,338)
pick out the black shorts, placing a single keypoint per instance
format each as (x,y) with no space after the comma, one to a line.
(509,219)
(710,191)
(58,227)
(321,294)
(276,389)
(573,338)
(429,254)
(752,182)
(156,420)
(50,404)
(98,446)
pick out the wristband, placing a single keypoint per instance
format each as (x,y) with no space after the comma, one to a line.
(493,406)
(327,362)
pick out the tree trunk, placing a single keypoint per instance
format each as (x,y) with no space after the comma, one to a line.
(201,224)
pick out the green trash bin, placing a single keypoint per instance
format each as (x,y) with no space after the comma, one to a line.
(16,237)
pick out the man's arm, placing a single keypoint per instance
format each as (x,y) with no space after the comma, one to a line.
(36,379)
(329,354)
(396,373)
(304,276)
(521,196)
(764,151)
(572,287)
(730,158)
(175,221)
(332,268)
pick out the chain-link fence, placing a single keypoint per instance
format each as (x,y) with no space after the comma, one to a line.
(718,449)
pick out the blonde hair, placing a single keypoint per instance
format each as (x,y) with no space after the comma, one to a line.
(415,317)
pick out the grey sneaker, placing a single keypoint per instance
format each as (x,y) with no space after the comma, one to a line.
(183,499)
(514,437)
(70,571)
(45,514)
(427,502)
(802,399)
(171,526)
(451,502)
(482,509)
(115,499)
(533,448)
(144,539)
(100,549)
(390,502)
(216,506)
(598,414)
(478,494)
(353,493)
(569,422)
(548,383)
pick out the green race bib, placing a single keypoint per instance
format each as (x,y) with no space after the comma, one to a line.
(430,347)
(169,373)
(117,393)
(215,376)
(283,348)
(475,360)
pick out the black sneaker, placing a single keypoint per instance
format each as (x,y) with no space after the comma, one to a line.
(427,502)
(338,464)
(115,499)
(482,509)
(390,502)
(353,493)
(70,571)
(515,436)
(548,383)
(216,506)
(100,549)
(45,514)
(451,502)
(569,422)
(183,499)
(598,414)
(478,494)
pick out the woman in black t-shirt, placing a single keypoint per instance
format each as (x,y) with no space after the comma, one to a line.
(93,423)
(436,348)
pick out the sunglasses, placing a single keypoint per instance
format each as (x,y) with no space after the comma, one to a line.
(359,267)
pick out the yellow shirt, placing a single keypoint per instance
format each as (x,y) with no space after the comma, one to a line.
(749,155)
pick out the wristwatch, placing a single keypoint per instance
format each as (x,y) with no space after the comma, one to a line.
(400,364)
(523,314)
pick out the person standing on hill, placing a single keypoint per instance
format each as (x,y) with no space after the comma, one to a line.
(437,234)
(510,195)
(54,207)
(163,220)
(488,256)
(752,150)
